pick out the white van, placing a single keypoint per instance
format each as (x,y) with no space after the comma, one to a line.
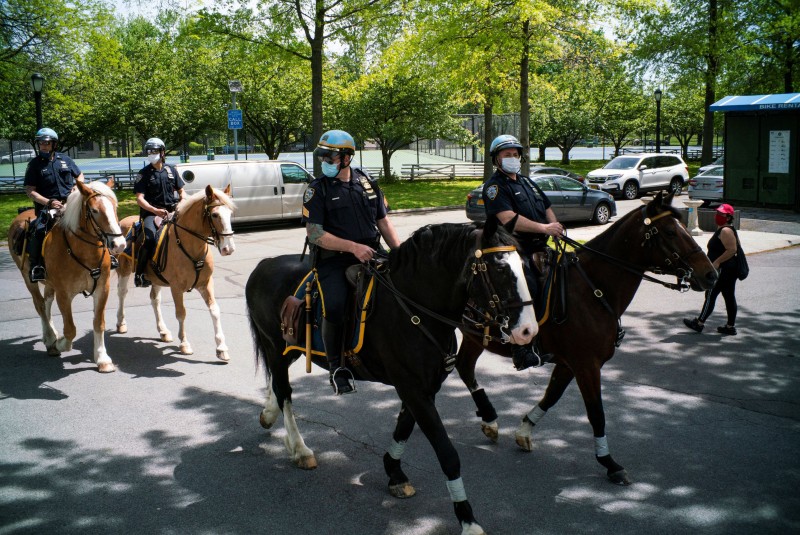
(263,190)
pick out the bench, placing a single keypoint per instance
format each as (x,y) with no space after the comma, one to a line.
(441,170)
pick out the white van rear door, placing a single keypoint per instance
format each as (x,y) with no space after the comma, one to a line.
(256,191)
(294,180)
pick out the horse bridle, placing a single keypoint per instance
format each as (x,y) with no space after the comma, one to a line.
(102,241)
(478,267)
(214,239)
(652,238)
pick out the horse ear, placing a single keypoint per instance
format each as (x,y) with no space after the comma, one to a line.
(110,182)
(227,190)
(83,188)
(668,198)
(209,192)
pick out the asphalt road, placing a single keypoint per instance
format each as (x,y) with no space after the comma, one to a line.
(708,427)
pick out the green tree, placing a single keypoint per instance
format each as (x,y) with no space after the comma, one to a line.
(682,111)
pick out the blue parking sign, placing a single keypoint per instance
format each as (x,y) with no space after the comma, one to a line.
(235,119)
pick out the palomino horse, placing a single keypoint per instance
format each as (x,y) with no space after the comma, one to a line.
(431,277)
(185,262)
(601,282)
(77,253)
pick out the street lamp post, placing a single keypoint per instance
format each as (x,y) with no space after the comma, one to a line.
(37,81)
(235,86)
(657,94)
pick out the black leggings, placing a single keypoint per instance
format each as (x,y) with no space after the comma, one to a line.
(726,285)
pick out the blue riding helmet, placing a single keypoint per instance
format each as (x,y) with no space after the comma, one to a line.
(335,142)
(46,134)
(506,141)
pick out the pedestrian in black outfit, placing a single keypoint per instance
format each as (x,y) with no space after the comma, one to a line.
(722,249)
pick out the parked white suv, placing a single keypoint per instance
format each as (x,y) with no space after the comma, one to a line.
(629,175)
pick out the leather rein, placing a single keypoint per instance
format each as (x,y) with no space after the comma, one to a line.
(102,242)
(478,271)
(214,239)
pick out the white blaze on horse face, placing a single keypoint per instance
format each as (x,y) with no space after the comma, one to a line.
(226,244)
(526,328)
(117,245)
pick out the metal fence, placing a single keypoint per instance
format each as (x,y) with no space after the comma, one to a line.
(475,124)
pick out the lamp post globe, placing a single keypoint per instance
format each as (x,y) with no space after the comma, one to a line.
(657,95)
(37,82)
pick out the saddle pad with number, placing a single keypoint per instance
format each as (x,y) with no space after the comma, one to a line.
(356,339)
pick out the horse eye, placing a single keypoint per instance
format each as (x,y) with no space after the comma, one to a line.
(214,214)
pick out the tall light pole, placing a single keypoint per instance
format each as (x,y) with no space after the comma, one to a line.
(657,95)
(37,81)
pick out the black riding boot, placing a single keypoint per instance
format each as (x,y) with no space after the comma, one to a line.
(339,375)
(141,265)
(525,357)
(37,272)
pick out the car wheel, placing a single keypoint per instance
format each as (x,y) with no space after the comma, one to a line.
(602,213)
(676,186)
(631,190)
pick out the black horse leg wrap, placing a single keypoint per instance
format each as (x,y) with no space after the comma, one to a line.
(485,408)
(394,470)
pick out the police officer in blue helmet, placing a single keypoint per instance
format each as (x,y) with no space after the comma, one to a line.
(49,179)
(517,203)
(345,218)
(158,190)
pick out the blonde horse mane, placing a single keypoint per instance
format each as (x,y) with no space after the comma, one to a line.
(71,218)
(186,203)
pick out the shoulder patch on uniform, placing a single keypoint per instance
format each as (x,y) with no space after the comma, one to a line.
(308,195)
(138,178)
(491,192)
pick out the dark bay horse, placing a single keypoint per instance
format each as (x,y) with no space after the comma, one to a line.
(440,267)
(188,263)
(77,253)
(612,265)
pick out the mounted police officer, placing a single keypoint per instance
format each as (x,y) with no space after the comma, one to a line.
(49,179)
(518,204)
(345,219)
(158,190)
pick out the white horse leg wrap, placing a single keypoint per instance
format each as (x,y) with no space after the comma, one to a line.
(601,446)
(456,490)
(536,414)
(396,450)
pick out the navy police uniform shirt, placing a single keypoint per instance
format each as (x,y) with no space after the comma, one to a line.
(54,178)
(522,196)
(159,187)
(348,210)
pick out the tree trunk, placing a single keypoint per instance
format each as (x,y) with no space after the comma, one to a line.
(524,109)
(487,139)
(316,93)
(541,157)
(712,67)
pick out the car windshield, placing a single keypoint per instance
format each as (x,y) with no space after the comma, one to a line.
(621,163)
(717,171)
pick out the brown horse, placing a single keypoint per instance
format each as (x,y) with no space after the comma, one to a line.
(186,262)
(77,253)
(601,283)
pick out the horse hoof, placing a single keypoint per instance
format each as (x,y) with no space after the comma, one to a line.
(186,349)
(306,462)
(490,431)
(263,421)
(106,367)
(165,337)
(223,356)
(122,329)
(402,490)
(52,351)
(620,478)
(524,443)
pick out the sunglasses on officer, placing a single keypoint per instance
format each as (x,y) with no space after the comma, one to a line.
(153,151)
(327,155)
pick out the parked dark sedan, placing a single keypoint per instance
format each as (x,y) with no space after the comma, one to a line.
(571,201)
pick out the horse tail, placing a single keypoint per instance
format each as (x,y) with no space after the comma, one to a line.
(262,344)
